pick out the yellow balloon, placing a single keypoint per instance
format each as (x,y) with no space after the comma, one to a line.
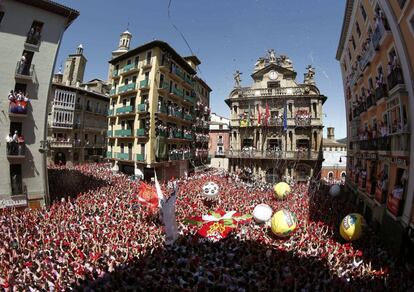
(281,189)
(283,223)
(352,226)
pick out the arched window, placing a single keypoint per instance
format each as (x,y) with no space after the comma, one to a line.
(330,175)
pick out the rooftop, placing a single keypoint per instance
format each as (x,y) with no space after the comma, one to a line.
(54,7)
(163,45)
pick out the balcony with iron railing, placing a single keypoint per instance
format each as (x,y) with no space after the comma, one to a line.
(130,68)
(367,56)
(110,112)
(177,71)
(61,143)
(140,157)
(115,73)
(188,137)
(177,135)
(122,156)
(33,38)
(381,91)
(189,80)
(18,108)
(142,108)
(16,150)
(127,88)
(378,34)
(112,92)
(177,92)
(273,154)
(188,117)
(371,101)
(108,154)
(395,78)
(269,92)
(25,71)
(123,133)
(125,110)
(164,87)
(109,133)
(144,84)
(302,121)
(189,98)
(147,63)
(380,144)
(141,132)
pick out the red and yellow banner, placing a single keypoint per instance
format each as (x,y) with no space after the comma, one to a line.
(218,224)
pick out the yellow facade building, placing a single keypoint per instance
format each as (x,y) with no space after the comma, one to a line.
(159,110)
(376,53)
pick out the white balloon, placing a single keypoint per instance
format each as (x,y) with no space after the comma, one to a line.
(262,213)
(210,189)
(335,190)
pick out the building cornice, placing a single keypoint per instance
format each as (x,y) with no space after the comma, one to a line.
(160,44)
(54,7)
(81,90)
(345,26)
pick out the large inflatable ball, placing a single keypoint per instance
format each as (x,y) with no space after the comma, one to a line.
(210,190)
(283,223)
(281,189)
(262,213)
(335,190)
(352,226)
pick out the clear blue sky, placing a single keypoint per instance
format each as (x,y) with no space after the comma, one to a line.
(225,35)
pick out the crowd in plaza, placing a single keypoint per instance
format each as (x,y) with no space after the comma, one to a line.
(96,236)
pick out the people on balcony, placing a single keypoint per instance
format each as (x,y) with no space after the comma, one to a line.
(302,117)
(18,102)
(33,36)
(15,144)
(23,65)
(398,191)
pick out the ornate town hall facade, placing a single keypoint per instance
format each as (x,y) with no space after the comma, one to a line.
(276,123)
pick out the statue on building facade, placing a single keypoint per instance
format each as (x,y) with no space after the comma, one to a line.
(285,62)
(237,79)
(271,55)
(259,64)
(309,76)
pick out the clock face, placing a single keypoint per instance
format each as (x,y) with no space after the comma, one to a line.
(273,75)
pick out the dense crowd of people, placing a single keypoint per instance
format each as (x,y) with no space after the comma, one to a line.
(96,236)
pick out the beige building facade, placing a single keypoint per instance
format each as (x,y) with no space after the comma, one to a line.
(77,119)
(159,111)
(30,35)
(219,142)
(334,159)
(276,123)
(377,57)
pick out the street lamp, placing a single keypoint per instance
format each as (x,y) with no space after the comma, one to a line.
(340,158)
(44,148)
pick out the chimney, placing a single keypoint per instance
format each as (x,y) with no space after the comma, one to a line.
(331,133)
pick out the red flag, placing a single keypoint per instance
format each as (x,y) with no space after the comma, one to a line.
(267,115)
(147,195)
(258,115)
